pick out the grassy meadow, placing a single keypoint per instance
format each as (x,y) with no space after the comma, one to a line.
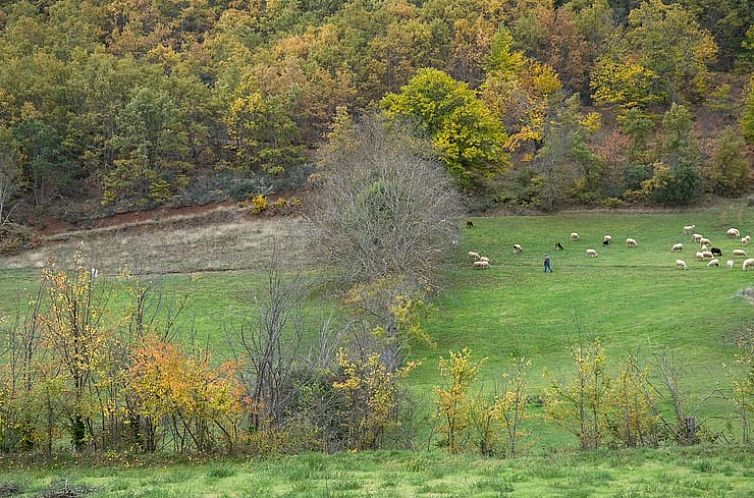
(633,299)
(691,472)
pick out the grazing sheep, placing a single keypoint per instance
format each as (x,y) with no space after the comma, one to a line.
(517,249)
(707,255)
(687,229)
(729,263)
(469,224)
(704,247)
(681,264)
(677,247)
(700,256)
(749,263)
(716,251)
(591,253)
(631,243)
(481,265)
(739,252)
(733,233)
(745,241)
(704,242)
(713,262)
(484,258)
(558,246)
(574,236)
(607,238)
(696,237)
(474,255)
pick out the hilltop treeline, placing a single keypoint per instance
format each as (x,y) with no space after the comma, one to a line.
(537,103)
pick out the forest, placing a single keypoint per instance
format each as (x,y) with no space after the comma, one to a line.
(110,106)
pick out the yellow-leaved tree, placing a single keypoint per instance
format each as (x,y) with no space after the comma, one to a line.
(458,372)
(185,395)
(580,404)
(370,390)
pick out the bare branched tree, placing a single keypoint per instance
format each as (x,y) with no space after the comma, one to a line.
(385,207)
(271,346)
(669,389)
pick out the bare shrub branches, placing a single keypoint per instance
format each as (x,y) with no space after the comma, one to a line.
(384,209)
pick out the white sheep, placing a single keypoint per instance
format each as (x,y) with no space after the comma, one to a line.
(474,255)
(745,241)
(591,253)
(484,258)
(696,237)
(574,236)
(733,233)
(700,255)
(704,241)
(481,265)
(707,255)
(687,229)
(729,263)
(607,238)
(705,247)
(677,247)
(517,249)
(749,263)
(631,243)
(713,262)
(681,264)
(739,252)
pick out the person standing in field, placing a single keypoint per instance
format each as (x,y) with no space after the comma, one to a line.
(547,263)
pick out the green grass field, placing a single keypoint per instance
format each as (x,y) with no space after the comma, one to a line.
(695,472)
(633,299)
(629,297)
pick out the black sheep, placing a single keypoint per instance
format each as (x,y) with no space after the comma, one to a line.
(605,243)
(716,251)
(469,224)
(558,246)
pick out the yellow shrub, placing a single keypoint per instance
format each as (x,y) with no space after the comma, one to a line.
(259,204)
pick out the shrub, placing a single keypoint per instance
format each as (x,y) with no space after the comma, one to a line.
(612,203)
(259,204)
(458,373)
(635,174)
(279,203)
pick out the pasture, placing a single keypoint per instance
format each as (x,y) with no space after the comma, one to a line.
(633,299)
(698,472)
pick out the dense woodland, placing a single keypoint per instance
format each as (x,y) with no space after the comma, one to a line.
(130,104)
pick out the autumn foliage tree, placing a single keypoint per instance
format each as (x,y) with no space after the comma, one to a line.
(77,335)
(580,403)
(462,129)
(184,396)
(458,372)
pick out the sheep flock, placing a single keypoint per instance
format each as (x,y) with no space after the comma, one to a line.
(706,254)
